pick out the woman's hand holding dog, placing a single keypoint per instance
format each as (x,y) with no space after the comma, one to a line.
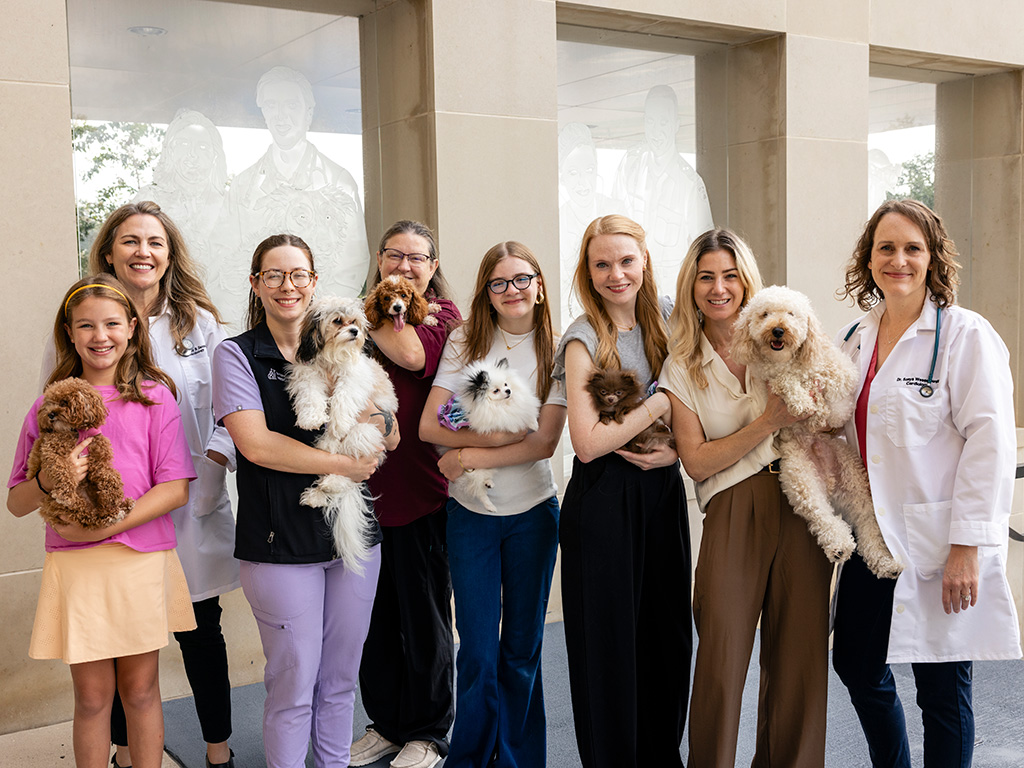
(660,456)
(450,466)
(777,414)
(77,467)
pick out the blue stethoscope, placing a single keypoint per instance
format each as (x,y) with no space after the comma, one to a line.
(925,389)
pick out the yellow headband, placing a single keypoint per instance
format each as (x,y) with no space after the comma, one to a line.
(93,285)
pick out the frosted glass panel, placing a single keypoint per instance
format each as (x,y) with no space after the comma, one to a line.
(626,145)
(901,141)
(240,121)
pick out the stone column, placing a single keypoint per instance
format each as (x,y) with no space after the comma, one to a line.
(463,101)
(782,145)
(39,238)
(978,192)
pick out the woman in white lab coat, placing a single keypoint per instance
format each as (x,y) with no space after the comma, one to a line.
(935,427)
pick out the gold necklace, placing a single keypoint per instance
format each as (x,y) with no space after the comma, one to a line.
(505,338)
(888,335)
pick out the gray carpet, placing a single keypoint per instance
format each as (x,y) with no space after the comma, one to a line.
(998,703)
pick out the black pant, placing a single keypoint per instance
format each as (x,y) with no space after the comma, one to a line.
(406,673)
(626,601)
(206,664)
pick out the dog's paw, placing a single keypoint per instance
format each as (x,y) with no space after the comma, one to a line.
(311,419)
(433,308)
(313,497)
(839,549)
(430,320)
(882,564)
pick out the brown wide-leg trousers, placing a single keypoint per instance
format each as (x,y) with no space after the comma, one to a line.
(757,559)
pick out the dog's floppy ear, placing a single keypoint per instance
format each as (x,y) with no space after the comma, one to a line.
(311,339)
(418,310)
(374,317)
(810,352)
(743,349)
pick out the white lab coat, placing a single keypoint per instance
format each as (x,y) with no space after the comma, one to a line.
(205,527)
(942,472)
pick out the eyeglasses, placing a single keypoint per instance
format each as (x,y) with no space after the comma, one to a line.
(522,282)
(395,256)
(274,278)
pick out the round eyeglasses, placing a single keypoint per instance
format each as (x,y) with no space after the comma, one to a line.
(395,256)
(274,278)
(522,282)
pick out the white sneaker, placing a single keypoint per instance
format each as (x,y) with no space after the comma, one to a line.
(370,748)
(417,754)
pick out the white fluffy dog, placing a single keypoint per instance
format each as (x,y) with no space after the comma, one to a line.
(495,399)
(778,337)
(331,383)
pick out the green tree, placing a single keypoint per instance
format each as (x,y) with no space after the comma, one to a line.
(918,178)
(120,157)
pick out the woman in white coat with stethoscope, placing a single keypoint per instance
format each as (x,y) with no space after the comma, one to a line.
(935,427)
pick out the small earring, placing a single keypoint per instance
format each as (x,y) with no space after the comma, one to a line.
(700,316)
(540,297)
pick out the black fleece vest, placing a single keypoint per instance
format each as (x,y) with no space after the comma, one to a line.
(272,526)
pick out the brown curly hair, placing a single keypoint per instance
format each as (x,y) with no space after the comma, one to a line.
(942,279)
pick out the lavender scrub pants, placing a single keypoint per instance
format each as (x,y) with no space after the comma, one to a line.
(313,620)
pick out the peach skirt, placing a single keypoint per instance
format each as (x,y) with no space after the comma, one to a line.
(109,601)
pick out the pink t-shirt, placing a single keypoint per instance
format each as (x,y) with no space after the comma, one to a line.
(149,448)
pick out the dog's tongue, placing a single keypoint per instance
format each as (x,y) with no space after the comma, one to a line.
(399,322)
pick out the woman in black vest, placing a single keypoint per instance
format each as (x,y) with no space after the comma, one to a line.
(303,598)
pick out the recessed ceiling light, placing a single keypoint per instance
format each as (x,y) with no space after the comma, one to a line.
(148,31)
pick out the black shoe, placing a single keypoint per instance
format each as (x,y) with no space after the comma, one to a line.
(113,762)
(229,764)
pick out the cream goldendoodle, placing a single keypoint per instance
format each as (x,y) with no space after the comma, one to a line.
(780,340)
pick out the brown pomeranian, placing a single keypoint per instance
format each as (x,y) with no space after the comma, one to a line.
(616,393)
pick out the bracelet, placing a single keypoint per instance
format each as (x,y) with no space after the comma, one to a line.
(649,412)
(459,457)
(45,492)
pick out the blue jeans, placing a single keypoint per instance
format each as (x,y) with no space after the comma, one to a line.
(860,645)
(501,570)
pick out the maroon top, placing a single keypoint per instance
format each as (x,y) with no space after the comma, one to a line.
(860,415)
(409,485)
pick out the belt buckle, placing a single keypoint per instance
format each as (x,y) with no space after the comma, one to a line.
(774,468)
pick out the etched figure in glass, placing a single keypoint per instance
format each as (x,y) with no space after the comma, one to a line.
(580,191)
(293,188)
(190,179)
(661,190)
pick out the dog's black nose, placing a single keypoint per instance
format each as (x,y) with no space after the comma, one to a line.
(778,333)
(353,332)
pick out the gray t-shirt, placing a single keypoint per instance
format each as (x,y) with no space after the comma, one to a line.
(630,346)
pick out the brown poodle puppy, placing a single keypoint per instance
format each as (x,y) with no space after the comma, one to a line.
(69,406)
(616,393)
(394,298)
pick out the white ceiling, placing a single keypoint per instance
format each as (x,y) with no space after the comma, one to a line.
(210,59)
(214,52)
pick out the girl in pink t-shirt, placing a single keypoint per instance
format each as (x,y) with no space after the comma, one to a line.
(109,596)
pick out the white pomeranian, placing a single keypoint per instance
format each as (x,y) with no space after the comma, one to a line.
(494,398)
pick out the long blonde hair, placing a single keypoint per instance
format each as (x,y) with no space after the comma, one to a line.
(136,364)
(483,318)
(686,321)
(181,287)
(648,311)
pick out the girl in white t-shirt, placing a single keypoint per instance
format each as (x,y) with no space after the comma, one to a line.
(501,563)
